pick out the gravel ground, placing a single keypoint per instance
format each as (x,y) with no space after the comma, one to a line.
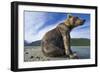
(34,53)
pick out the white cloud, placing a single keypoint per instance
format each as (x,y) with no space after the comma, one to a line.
(33,21)
(38,36)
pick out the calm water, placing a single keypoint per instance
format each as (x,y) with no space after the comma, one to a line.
(83,52)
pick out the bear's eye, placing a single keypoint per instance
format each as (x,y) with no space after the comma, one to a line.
(76,17)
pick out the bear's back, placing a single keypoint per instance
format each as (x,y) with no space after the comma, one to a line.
(53,35)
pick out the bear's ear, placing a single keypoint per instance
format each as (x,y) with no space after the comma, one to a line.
(69,15)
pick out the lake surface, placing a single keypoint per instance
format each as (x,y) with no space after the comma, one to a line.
(82,51)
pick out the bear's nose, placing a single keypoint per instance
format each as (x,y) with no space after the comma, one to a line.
(83,20)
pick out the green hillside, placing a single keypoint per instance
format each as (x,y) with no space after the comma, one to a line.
(80,42)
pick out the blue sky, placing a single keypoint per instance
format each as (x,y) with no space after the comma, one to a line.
(38,23)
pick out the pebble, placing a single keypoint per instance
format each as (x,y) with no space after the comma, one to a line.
(26,53)
(32,57)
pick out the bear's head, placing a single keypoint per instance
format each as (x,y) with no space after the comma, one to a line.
(73,21)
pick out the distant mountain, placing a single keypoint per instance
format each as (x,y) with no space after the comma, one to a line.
(26,43)
(74,42)
(36,43)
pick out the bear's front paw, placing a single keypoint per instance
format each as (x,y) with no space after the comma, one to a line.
(73,56)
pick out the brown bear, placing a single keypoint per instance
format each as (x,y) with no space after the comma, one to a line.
(56,42)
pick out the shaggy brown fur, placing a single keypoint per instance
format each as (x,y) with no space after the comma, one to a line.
(57,41)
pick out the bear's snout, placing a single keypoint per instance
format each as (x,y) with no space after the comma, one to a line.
(83,22)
